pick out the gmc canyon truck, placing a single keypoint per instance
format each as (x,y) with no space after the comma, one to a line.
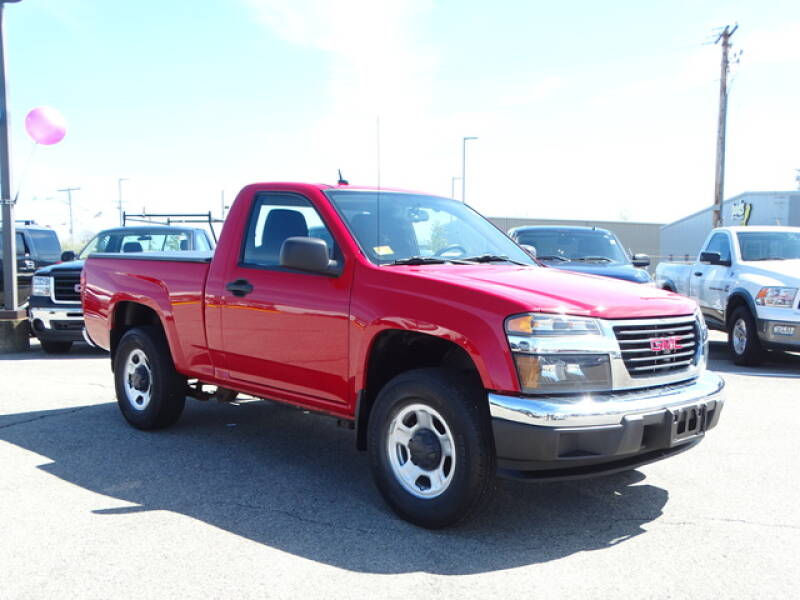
(746,281)
(451,352)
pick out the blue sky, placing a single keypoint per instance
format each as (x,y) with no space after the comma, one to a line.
(583,109)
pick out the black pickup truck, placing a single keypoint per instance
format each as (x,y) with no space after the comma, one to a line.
(36,247)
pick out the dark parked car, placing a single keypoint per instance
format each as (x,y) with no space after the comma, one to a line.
(36,247)
(54,309)
(583,249)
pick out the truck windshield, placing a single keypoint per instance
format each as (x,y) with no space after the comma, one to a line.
(393,227)
(567,245)
(769,245)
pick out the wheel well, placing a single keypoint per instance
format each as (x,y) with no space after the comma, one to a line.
(397,351)
(128,315)
(734,302)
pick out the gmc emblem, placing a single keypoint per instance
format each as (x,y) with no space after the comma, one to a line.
(665,344)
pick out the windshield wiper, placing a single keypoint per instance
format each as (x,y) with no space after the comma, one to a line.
(426,260)
(552,257)
(770,258)
(600,258)
(488,258)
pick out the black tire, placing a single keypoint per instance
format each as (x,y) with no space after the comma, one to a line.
(159,400)
(462,405)
(56,347)
(743,339)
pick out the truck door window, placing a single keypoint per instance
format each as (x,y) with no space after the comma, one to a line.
(276,217)
(719,243)
(22,249)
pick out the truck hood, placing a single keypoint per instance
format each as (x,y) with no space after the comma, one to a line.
(541,289)
(73,265)
(774,272)
(617,271)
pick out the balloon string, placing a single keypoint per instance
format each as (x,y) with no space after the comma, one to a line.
(25,171)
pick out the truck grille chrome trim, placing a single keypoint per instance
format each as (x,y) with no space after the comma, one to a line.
(653,347)
(64,287)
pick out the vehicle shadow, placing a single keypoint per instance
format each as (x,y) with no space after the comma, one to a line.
(777,364)
(78,350)
(295,482)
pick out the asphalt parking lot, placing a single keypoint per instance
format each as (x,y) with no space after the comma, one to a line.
(262,500)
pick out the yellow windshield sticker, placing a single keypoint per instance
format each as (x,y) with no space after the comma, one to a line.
(383,250)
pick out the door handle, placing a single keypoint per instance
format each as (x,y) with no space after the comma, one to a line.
(698,273)
(240,287)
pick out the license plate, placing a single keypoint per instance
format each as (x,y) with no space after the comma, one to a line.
(688,422)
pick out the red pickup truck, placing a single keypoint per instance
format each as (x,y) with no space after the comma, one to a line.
(453,354)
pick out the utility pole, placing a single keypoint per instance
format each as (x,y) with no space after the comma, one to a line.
(69,202)
(719,179)
(10,297)
(119,200)
(464,167)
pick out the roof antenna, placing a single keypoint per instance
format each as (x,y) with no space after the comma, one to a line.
(342,180)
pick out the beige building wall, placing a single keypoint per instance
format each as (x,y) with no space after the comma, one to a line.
(637,238)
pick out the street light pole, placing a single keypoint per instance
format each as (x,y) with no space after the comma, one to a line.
(453,186)
(464,167)
(119,199)
(9,230)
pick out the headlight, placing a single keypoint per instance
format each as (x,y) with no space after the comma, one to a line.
(777,297)
(542,324)
(559,353)
(540,373)
(41,286)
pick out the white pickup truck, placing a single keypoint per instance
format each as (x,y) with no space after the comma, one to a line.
(746,282)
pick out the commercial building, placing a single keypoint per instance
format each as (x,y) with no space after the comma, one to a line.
(681,240)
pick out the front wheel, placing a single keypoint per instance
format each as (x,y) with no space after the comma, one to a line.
(150,393)
(743,338)
(431,447)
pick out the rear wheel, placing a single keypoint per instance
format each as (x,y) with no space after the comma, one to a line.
(743,338)
(150,393)
(56,347)
(431,448)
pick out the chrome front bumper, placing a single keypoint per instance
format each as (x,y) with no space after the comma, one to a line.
(549,438)
(46,316)
(594,409)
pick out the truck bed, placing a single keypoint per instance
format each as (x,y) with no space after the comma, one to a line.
(201,256)
(171,284)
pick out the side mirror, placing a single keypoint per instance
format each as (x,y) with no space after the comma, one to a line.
(308,254)
(640,260)
(531,250)
(67,255)
(713,258)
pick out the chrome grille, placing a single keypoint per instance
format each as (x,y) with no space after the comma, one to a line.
(640,340)
(64,287)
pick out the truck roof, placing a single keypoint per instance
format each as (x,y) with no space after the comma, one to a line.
(560,227)
(756,228)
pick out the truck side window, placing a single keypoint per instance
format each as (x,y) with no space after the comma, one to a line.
(719,243)
(276,217)
(22,248)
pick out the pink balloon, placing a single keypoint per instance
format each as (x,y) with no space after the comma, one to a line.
(46,125)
